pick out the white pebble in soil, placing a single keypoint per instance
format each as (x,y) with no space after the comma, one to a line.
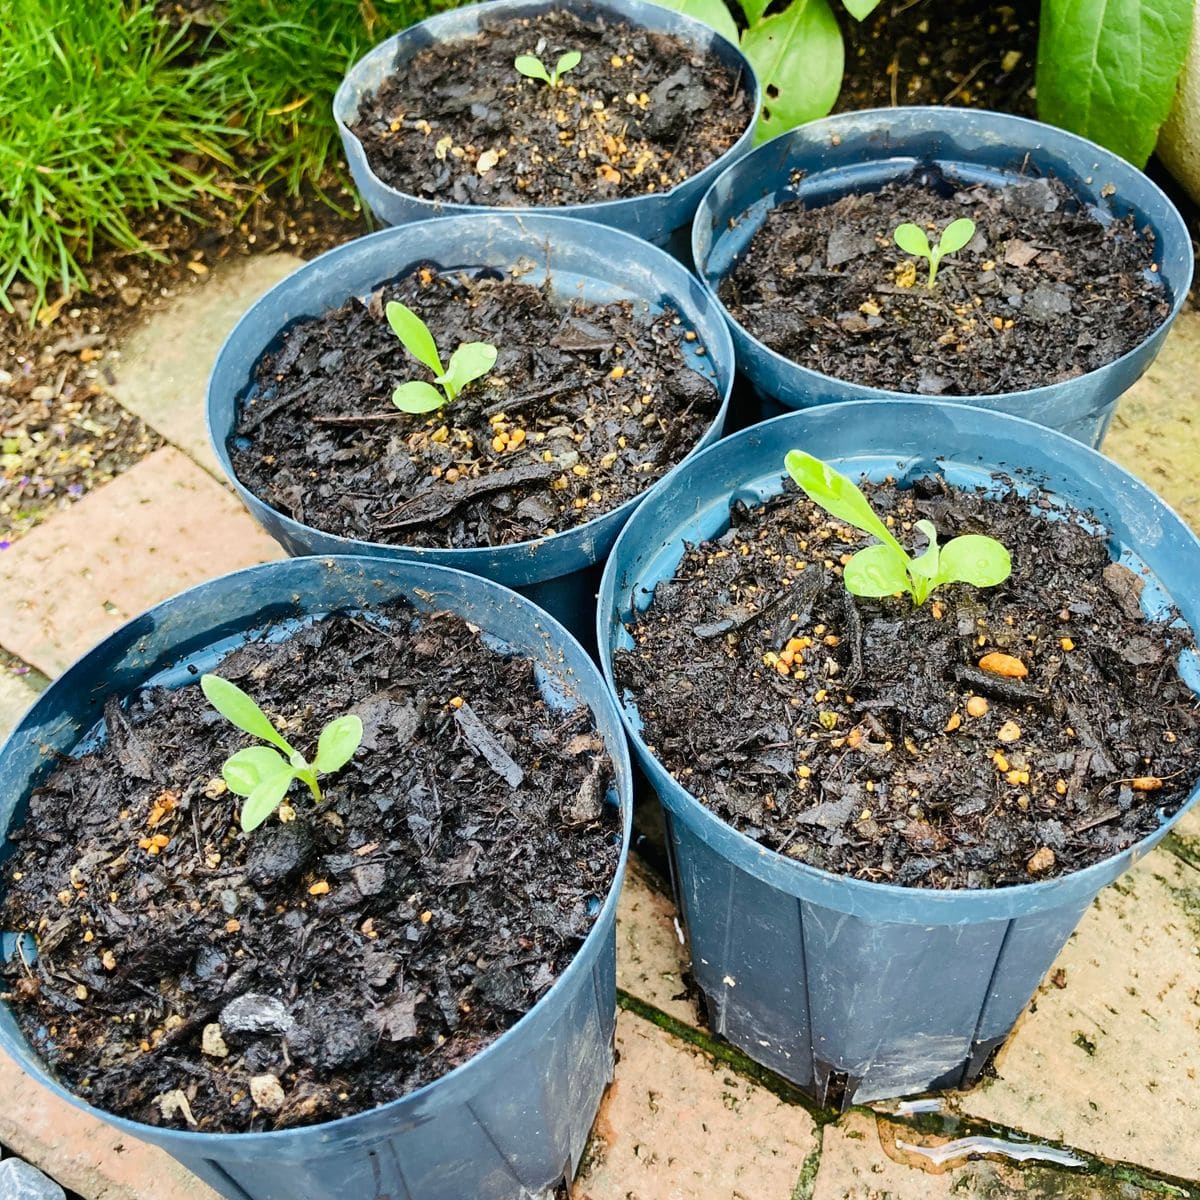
(21,1181)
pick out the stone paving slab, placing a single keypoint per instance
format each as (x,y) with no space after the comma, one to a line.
(15,697)
(651,958)
(1156,432)
(860,1160)
(676,1126)
(1109,1062)
(163,367)
(83,1153)
(162,526)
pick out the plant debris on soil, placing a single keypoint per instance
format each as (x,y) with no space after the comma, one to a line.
(1043,292)
(586,407)
(61,432)
(942,52)
(641,113)
(345,953)
(989,737)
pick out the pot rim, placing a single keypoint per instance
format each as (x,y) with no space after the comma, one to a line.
(801,879)
(1024,132)
(342,1132)
(634,12)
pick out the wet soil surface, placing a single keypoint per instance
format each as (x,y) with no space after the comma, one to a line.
(352,953)
(61,432)
(863,736)
(640,113)
(585,408)
(942,52)
(1041,294)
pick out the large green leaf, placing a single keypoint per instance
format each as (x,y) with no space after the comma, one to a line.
(837,495)
(798,57)
(711,12)
(1107,69)
(240,710)
(337,743)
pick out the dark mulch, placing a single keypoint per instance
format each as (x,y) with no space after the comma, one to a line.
(585,408)
(458,123)
(354,952)
(61,432)
(861,756)
(1043,293)
(942,52)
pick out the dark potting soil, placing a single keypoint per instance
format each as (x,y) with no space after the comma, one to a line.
(641,113)
(585,408)
(1042,293)
(353,952)
(942,52)
(877,746)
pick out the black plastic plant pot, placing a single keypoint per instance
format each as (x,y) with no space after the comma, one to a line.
(860,152)
(663,218)
(600,265)
(509,1124)
(856,990)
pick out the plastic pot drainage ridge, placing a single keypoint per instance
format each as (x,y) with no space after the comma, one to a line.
(597,264)
(858,152)
(510,1124)
(854,990)
(663,218)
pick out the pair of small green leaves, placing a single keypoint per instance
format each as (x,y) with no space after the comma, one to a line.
(532,67)
(913,240)
(886,568)
(262,775)
(468,363)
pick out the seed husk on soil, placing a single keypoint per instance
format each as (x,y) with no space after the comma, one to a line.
(344,953)
(587,405)
(1042,293)
(864,737)
(641,113)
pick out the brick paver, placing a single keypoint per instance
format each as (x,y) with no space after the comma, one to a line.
(676,1126)
(15,697)
(163,367)
(83,1153)
(162,526)
(1110,1060)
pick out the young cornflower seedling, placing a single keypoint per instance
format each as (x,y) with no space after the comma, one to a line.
(262,775)
(912,239)
(469,362)
(887,568)
(533,68)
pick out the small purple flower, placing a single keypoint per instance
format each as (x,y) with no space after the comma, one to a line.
(4,544)
(75,489)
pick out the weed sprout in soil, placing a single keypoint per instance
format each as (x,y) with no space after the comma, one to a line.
(532,67)
(885,568)
(914,240)
(471,361)
(263,775)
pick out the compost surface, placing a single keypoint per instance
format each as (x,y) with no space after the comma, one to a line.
(351,953)
(1043,292)
(857,751)
(585,408)
(641,113)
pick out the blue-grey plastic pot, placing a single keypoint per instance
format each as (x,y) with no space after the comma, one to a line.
(856,990)
(587,261)
(511,1123)
(860,152)
(663,218)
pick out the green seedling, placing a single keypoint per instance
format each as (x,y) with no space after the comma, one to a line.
(912,239)
(533,68)
(263,774)
(886,568)
(468,363)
